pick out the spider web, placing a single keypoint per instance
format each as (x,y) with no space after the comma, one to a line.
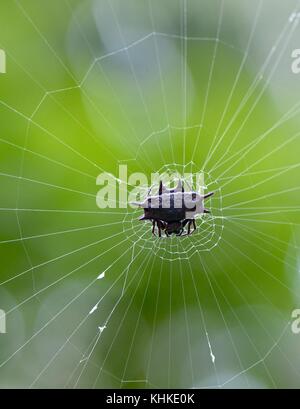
(205,238)
(91,298)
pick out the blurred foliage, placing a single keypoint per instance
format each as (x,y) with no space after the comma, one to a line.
(92,84)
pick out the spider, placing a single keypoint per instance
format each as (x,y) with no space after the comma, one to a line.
(172,210)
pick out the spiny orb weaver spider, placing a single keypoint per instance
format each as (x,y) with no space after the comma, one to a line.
(172,210)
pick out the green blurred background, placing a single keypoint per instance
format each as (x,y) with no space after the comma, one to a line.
(190,84)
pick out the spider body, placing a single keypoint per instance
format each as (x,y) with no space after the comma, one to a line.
(171,210)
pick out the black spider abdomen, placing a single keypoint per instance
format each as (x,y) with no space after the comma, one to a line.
(166,215)
(166,212)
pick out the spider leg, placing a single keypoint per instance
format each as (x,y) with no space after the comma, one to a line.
(189,227)
(153,227)
(159,229)
(189,223)
(163,225)
(185,222)
(160,226)
(181,231)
